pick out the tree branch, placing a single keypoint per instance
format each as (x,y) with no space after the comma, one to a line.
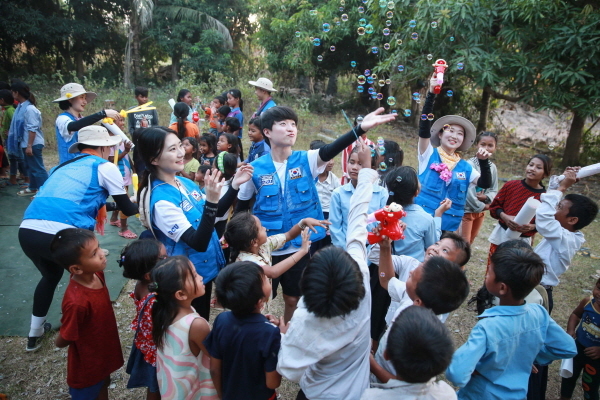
(501,96)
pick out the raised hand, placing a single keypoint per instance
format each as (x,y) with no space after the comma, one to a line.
(483,154)
(212,185)
(243,175)
(376,118)
(312,222)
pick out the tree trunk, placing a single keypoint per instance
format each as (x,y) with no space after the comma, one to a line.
(79,64)
(127,63)
(135,48)
(573,145)
(484,111)
(332,85)
(175,59)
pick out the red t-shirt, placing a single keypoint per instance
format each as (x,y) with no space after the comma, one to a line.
(89,322)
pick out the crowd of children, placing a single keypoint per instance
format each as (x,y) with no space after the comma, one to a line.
(360,322)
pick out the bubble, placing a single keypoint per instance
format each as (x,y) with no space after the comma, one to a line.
(361,9)
(374,76)
(446,127)
(391,5)
(371,90)
(382,274)
(398,179)
(319,58)
(369,29)
(367,72)
(379,96)
(386,46)
(418,101)
(449,93)
(389,14)
(388,81)
(370,80)
(388,23)
(414,36)
(297,33)
(344,17)
(460,66)
(382,3)
(386,31)
(551,146)
(342,3)
(390,160)
(412,23)
(311,38)
(365,1)
(423,117)
(313,12)
(360,31)
(401,68)
(399,42)
(429,57)
(451,38)
(359,119)
(381,83)
(430,117)
(361,79)
(341,9)
(337,22)
(382,166)
(326,27)
(332,48)
(362,22)
(374,49)
(360,89)
(434,24)
(416,96)
(395,112)
(407,113)
(391,101)
(353,64)
(317,41)
(374,96)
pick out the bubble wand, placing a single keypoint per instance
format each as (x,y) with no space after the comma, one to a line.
(109,123)
(439,69)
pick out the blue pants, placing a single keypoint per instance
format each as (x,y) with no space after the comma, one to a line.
(35,167)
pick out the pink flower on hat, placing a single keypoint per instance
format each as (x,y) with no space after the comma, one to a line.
(442,168)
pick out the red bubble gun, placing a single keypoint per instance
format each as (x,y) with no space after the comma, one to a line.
(195,116)
(439,67)
(388,217)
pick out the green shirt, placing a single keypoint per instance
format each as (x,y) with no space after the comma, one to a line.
(6,118)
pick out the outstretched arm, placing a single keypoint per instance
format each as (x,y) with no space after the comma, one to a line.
(425,125)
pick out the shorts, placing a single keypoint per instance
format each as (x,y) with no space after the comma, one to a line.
(88,393)
(290,279)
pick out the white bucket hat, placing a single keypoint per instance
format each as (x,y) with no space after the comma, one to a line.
(94,135)
(467,125)
(72,90)
(264,84)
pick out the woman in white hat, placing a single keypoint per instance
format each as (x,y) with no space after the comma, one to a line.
(263,88)
(71,198)
(72,101)
(443,174)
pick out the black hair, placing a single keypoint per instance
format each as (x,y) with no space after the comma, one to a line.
(64,105)
(582,207)
(224,110)
(546,162)
(67,245)
(194,144)
(204,168)
(235,93)
(461,244)
(233,124)
(141,91)
(443,286)
(256,122)
(4,85)
(317,144)
(402,184)
(181,95)
(168,277)
(139,257)
(239,287)
(394,155)
(7,96)
(229,165)
(419,345)
(519,269)
(210,140)
(23,89)
(181,112)
(150,145)
(332,283)
(276,114)
(236,144)
(486,134)
(514,244)
(222,100)
(240,232)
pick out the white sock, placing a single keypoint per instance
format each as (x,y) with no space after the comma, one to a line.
(37,326)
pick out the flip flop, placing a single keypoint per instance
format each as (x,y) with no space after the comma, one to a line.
(26,192)
(116,223)
(128,234)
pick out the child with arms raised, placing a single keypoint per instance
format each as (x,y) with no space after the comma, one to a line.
(89,326)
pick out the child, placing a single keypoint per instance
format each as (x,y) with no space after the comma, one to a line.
(207,144)
(138,259)
(243,345)
(419,347)
(211,113)
(234,100)
(512,196)
(340,201)
(263,88)
(584,325)
(227,164)
(498,355)
(231,144)
(190,145)
(182,364)
(182,126)
(199,177)
(232,125)
(478,199)
(222,113)
(184,96)
(248,241)
(135,118)
(259,146)
(346,153)
(388,156)
(16,160)
(89,326)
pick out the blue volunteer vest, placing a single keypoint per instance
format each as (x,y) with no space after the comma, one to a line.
(212,260)
(71,195)
(434,190)
(62,145)
(279,211)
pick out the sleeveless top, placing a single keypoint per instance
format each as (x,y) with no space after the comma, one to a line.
(62,146)
(588,331)
(181,375)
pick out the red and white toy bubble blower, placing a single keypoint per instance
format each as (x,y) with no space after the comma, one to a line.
(439,67)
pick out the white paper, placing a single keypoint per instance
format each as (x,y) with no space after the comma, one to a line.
(585,172)
(115,130)
(172,103)
(566,368)
(524,216)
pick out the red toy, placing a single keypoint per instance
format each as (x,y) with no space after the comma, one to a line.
(195,116)
(439,67)
(388,217)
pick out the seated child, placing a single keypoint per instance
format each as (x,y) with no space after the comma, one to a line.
(232,125)
(259,146)
(419,347)
(243,345)
(199,177)
(498,356)
(89,326)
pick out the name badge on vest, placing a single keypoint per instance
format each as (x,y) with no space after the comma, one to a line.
(266,180)
(461,175)
(295,173)
(197,196)
(186,206)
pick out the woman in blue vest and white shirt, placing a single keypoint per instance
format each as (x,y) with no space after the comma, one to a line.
(175,210)
(70,198)
(72,101)
(442,172)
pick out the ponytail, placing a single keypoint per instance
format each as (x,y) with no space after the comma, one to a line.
(181,111)
(23,89)
(239,233)
(180,127)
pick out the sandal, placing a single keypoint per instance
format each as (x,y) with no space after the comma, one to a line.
(116,223)
(26,192)
(128,234)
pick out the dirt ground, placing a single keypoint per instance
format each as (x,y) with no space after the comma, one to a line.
(42,375)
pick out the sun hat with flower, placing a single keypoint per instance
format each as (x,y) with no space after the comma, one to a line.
(72,90)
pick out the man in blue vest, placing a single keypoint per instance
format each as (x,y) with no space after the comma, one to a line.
(263,88)
(284,185)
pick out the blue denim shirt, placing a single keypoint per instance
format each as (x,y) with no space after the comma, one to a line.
(502,347)
(422,230)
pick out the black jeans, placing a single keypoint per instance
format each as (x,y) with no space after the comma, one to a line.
(590,381)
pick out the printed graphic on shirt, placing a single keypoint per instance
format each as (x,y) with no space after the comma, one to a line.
(266,180)
(173,230)
(461,175)
(197,196)
(592,331)
(295,173)
(186,206)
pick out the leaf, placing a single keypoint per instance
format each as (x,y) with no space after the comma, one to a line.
(187,14)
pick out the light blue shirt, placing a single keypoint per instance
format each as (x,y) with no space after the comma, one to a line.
(189,117)
(339,207)
(33,123)
(502,347)
(422,230)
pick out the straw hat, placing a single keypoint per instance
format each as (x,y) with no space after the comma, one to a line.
(72,90)
(94,135)
(454,120)
(264,84)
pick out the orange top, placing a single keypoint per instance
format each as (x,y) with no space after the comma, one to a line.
(213,121)
(191,129)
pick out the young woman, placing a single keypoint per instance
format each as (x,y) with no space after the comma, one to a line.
(234,100)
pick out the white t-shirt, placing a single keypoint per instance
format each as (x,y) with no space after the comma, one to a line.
(62,121)
(424,164)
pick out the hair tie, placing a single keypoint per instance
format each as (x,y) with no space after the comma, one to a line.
(153,286)
(220,158)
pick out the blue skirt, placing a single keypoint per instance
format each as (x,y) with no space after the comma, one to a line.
(141,373)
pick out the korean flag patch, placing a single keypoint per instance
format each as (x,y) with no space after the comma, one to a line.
(461,176)
(197,196)
(295,173)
